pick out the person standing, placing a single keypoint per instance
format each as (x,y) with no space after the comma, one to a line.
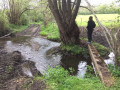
(90,27)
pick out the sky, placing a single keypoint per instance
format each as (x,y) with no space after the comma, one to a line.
(98,2)
(92,2)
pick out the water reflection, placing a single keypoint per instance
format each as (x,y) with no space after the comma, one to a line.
(35,49)
(76,63)
(82,67)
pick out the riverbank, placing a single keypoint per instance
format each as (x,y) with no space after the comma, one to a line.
(30,47)
(12,75)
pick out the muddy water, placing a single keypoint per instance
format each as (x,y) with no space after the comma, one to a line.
(35,49)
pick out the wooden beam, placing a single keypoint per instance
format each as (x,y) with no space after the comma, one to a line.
(100,66)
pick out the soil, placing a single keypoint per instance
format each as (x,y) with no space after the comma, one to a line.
(11,71)
(4,32)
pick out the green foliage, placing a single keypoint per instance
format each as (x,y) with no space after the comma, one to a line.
(44,33)
(4,24)
(116,86)
(24,20)
(35,15)
(89,72)
(17,28)
(54,73)
(3,21)
(101,49)
(118,58)
(59,79)
(100,9)
(115,70)
(51,31)
(74,49)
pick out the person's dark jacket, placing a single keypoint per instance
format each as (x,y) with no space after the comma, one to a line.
(91,25)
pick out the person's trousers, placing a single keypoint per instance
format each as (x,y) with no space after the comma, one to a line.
(90,35)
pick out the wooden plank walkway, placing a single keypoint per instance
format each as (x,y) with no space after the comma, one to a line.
(100,66)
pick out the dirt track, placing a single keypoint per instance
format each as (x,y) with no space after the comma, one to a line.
(32,30)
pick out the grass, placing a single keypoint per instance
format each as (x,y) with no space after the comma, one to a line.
(51,31)
(75,49)
(37,23)
(17,28)
(59,79)
(101,49)
(105,19)
(115,70)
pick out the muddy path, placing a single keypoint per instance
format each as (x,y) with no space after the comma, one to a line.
(32,30)
(15,70)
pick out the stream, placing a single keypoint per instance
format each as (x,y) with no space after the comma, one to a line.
(35,49)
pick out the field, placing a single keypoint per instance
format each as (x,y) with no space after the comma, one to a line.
(105,19)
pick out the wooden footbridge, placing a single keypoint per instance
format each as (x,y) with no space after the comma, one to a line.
(100,66)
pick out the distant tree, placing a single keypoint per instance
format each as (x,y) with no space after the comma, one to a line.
(46,13)
(65,13)
(16,8)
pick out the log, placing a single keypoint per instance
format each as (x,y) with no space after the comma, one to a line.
(100,66)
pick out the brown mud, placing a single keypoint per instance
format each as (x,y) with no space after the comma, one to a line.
(32,30)
(12,76)
(11,72)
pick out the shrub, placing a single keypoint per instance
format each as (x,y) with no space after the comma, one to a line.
(101,49)
(59,79)
(24,20)
(115,70)
(3,24)
(51,31)
(74,49)
(90,72)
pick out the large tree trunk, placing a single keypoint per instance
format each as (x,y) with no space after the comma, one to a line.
(65,13)
(69,34)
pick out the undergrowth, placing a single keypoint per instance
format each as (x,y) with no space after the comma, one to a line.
(115,70)
(74,49)
(59,79)
(51,31)
(101,49)
(17,28)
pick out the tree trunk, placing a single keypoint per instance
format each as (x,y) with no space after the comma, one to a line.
(69,34)
(65,14)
